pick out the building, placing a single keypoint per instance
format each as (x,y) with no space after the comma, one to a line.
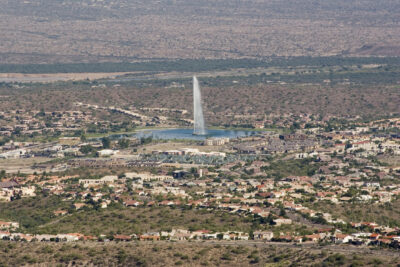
(9,184)
(262,235)
(92,182)
(13,154)
(107,152)
(179,174)
(281,221)
(8,225)
(216,141)
(148,176)
(152,236)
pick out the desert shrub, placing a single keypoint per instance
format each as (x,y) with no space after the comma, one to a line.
(70,257)
(226,256)
(335,259)
(46,249)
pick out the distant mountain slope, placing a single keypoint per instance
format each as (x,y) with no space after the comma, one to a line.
(45,31)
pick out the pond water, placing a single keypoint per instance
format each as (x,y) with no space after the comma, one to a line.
(187,133)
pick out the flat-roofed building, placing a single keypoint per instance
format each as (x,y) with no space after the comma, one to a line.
(105,180)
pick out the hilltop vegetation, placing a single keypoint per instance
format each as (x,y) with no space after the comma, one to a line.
(221,102)
(367,87)
(36,215)
(193,254)
(385,214)
(198,65)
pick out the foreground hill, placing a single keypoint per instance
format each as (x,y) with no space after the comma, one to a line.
(188,254)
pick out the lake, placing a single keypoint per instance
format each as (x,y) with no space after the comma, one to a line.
(187,133)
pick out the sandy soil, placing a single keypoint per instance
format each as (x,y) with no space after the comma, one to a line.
(22,165)
(52,77)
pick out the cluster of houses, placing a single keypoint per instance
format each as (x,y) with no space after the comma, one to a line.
(65,147)
(143,116)
(321,144)
(189,151)
(269,143)
(245,197)
(320,235)
(10,190)
(174,235)
(37,122)
(232,181)
(283,120)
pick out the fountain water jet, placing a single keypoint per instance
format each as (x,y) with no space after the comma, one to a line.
(199,125)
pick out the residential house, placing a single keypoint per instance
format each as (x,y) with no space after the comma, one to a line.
(263,235)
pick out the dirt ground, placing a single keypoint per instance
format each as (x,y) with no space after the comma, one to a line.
(24,165)
(52,77)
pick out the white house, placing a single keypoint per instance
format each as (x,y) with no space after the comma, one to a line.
(107,152)
(92,182)
(263,235)
(13,154)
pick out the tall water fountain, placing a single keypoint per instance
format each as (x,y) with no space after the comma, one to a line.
(199,125)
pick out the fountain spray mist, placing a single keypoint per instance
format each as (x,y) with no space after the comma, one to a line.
(199,125)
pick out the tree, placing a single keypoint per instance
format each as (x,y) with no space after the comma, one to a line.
(87,149)
(146,140)
(348,145)
(251,235)
(270,219)
(295,126)
(106,142)
(282,212)
(123,143)
(2,174)
(41,113)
